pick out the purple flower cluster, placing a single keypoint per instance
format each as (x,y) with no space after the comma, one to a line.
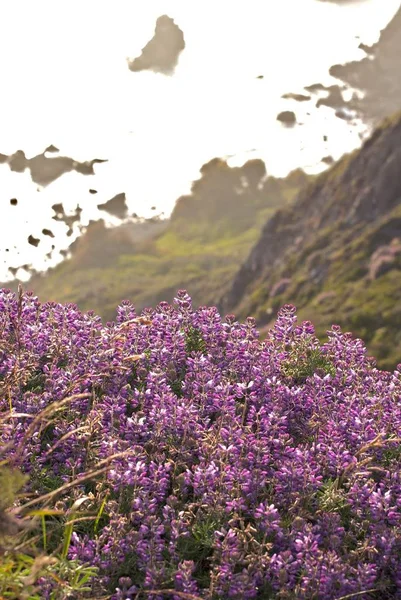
(213,464)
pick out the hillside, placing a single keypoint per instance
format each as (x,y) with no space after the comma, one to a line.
(210,233)
(336,252)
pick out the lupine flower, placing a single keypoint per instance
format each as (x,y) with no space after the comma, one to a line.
(194,457)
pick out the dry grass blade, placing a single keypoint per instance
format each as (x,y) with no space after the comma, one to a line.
(49,410)
(356,594)
(90,475)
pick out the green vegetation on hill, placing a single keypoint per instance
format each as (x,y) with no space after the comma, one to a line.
(210,233)
(336,253)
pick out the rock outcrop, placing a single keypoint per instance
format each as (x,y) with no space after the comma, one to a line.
(161,53)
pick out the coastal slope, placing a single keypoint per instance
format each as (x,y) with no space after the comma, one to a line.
(336,251)
(210,233)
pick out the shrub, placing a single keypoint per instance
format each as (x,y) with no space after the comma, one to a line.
(176,455)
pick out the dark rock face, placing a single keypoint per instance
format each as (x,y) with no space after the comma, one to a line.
(33,241)
(340,238)
(287,117)
(379,74)
(45,170)
(161,53)
(116,206)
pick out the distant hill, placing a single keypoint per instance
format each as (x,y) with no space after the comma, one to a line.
(336,251)
(210,233)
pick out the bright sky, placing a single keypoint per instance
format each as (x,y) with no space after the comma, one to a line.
(63,68)
(65,81)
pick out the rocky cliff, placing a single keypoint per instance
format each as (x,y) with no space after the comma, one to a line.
(336,252)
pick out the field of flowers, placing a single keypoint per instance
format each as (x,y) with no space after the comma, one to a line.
(176,455)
